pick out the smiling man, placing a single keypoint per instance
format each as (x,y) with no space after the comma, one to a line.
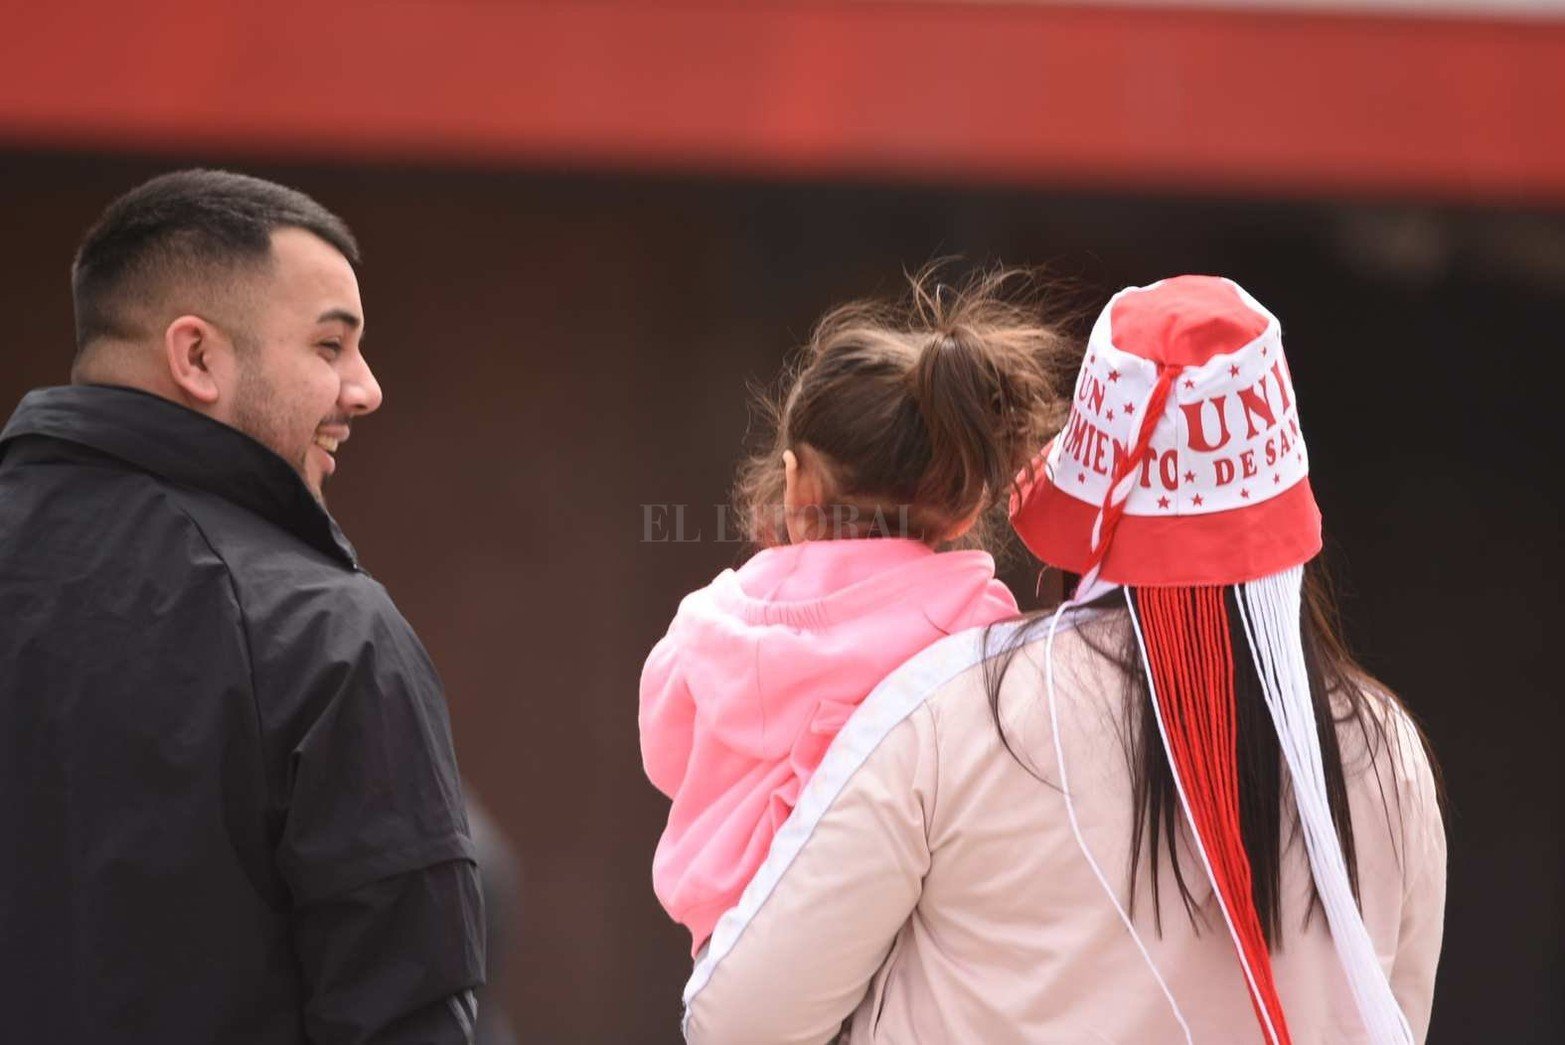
(227,789)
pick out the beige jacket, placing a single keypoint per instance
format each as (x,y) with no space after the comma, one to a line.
(928,889)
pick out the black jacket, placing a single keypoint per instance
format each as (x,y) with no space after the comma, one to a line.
(229,808)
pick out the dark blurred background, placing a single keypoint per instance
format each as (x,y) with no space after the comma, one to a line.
(589,227)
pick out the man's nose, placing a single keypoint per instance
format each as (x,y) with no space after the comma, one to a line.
(361,393)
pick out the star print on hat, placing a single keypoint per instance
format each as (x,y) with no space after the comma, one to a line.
(1184,436)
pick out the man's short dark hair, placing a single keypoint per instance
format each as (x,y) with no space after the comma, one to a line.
(183,225)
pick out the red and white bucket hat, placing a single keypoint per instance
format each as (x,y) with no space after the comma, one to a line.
(1182,475)
(1184,432)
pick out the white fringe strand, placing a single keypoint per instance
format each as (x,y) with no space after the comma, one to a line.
(1270,609)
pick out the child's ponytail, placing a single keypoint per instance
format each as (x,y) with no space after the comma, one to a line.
(981,397)
(920,414)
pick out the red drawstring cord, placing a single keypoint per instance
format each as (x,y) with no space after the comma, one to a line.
(1113,510)
(1190,654)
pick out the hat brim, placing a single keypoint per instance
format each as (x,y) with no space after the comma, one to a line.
(1229,547)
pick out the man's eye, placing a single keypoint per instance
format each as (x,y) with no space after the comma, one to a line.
(333,347)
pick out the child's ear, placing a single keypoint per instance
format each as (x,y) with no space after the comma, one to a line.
(802,485)
(802,491)
(790,479)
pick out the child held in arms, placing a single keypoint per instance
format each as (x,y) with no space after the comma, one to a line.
(900,427)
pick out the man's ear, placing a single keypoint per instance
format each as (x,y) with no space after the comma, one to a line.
(195,354)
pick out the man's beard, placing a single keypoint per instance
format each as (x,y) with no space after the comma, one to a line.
(259,413)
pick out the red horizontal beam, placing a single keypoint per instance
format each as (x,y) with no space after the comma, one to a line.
(1034,94)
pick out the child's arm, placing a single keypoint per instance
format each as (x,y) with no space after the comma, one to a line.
(667,717)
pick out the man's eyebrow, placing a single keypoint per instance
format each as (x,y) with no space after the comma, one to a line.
(340,315)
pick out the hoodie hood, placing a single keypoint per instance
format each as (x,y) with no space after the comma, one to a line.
(806,630)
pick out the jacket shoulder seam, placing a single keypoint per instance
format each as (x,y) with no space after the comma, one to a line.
(930,708)
(239,608)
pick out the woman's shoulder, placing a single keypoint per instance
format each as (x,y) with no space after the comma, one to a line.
(961,683)
(946,673)
(1376,730)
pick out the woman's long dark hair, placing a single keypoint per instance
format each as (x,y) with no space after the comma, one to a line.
(1344,694)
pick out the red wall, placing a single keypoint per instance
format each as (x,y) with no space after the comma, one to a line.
(1025,93)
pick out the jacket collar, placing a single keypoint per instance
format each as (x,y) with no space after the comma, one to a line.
(184,447)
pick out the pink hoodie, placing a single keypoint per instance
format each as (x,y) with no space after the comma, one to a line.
(758,672)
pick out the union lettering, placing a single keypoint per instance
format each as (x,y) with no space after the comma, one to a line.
(1255,405)
(1283,384)
(1195,423)
(1092,393)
